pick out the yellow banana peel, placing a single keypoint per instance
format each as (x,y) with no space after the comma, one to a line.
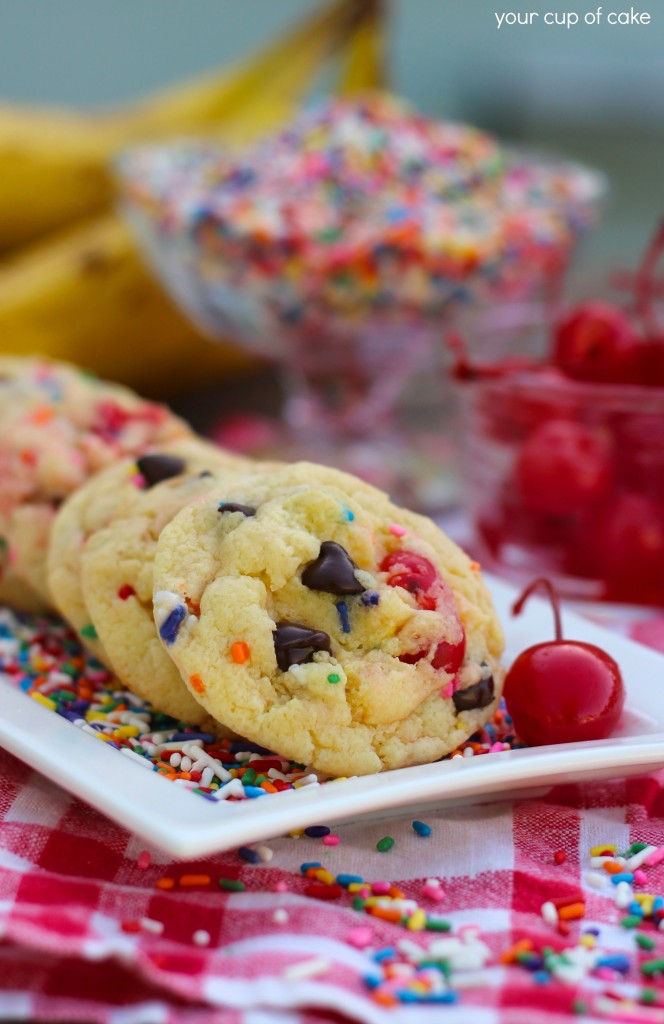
(87,298)
(84,294)
(55,165)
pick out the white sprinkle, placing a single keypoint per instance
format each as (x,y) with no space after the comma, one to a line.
(232,788)
(306,969)
(549,913)
(148,924)
(137,757)
(206,777)
(185,764)
(265,853)
(201,937)
(595,880)
(632,863)
(624,895)
(175,759)
(308,780)
(280,916)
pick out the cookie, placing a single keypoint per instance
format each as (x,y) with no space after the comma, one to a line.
(309,614)
(111,494)
(116,563)
(58,426)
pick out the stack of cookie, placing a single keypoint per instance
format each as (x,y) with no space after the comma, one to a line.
(293,605)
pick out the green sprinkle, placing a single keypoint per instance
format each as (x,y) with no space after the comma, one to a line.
(645,941)
(438,924)
(358,903)
(231,885)
(249,777)
(89,632)
(631,921)
(653,966)
(648,996)
(385,844)
(637,847)
(334,678)
(579,1006)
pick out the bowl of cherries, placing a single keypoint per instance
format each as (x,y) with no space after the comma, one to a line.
(562,459)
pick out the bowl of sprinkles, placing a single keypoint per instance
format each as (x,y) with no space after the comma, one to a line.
(338,245)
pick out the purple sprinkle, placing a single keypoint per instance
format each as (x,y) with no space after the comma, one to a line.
(200,737)
(246,853)
(317,831)
(171,625)
(342,609)
(370,597)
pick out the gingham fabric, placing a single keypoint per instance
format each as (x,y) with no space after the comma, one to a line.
(71,885)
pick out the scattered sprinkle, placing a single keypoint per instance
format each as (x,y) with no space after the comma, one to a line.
(385,844)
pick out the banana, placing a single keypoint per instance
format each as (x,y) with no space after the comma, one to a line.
(55,165)
(364,64)
(87,298)
(84,295)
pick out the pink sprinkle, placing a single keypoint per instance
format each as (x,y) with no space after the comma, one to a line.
(640,877)
(144,859)
(433,892)
(605,973)
(380,888)
(331,840)
(495,747)
(137,480)
(280,887)
(360,937)
(398,531)
(447,691)
(655,858)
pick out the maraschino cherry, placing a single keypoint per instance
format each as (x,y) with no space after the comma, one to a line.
(562,691)
(596,342)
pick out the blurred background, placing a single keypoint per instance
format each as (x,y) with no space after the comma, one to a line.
(594,93)
(75,281)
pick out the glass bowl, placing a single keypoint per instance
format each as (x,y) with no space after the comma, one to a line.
(566,479)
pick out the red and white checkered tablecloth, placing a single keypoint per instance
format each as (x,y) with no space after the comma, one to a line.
(71,886)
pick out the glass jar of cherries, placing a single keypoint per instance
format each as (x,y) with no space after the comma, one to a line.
(562,460)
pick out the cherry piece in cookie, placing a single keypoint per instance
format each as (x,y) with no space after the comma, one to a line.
(562,691)
(418,576)
(155,468)
(333,571)
(296,645)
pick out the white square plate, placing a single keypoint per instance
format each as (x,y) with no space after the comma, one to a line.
(187,826)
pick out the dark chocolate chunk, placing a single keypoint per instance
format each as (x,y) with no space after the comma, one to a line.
(295,644)
(206,472)
(333,571)
(155,468)
(233,506)
(478,696)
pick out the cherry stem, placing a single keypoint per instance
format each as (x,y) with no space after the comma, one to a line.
(464,369)
(645,283)
(542,583)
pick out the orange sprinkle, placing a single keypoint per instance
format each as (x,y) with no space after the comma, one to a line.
(510,955)
(612,867)
(572,912)
(184,775)
(396,893)
(240,652)
(475,566)
(385,914)
(197,683)
(384,998)
(268,787)
(195,879)
(42,415)
(165,883)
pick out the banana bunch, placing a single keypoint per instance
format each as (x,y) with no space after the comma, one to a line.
(77,288)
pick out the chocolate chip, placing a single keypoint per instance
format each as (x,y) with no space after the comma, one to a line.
(295,644)
(206,472)
(478,696)
(233,506)
(333,571)
(155,468)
